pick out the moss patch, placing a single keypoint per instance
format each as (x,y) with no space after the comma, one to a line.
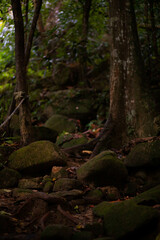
(38,156)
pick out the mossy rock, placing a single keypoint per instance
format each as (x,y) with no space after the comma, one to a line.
(150,197)
(48,187)
(71,194)
(95,194)
(60,123)
(104,169)
(44,133)
(37,158)
(124,219)
(9,178)
(144,154)
(66,140)
(30,183)
(75,103)
(56,232)
(19,192)
(66,184)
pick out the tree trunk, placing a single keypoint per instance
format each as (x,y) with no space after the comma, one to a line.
(22,89)
(129,111)
(83,52)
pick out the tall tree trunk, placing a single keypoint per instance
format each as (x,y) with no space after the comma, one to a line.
(22,89)
(129,111)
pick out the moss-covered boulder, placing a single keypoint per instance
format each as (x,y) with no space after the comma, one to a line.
(144,154)
(37,158)
(56,232)
(104,169)
(95,194)
(126,219)
(9,178)
(44,133)
(150,197)
(66,140)
(66,184)
(75,103)
(60,123)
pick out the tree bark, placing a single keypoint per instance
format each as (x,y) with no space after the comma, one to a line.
(83,52)
(22,88)
(129,111)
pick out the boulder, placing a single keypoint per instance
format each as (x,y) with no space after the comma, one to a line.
(66,184)
(75,103)
(66,140)
(104,169)
(123,220)
(44,133)
(30,183)
(60,123)
(144,155)
(9,178)
(56,232)
(37,158)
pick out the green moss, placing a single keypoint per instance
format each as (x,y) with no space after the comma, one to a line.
(60,124)
(48,187)
(144,154)
(9,178)
(104,169)
(35,154)
(121,219)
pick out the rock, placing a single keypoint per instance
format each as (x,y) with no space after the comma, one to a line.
(44,133)
(72,194)
(30,183)
(9,178)
(66,140)
(6,224)
(37,158)
(94,194)
(74,103)
(59,172)
(103,169)
(85,235)
(60,123)
(126,219)
(144,155)
(22,193)
(48,187)
(56,232)
(66,184)
(150,197)
(112,193)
